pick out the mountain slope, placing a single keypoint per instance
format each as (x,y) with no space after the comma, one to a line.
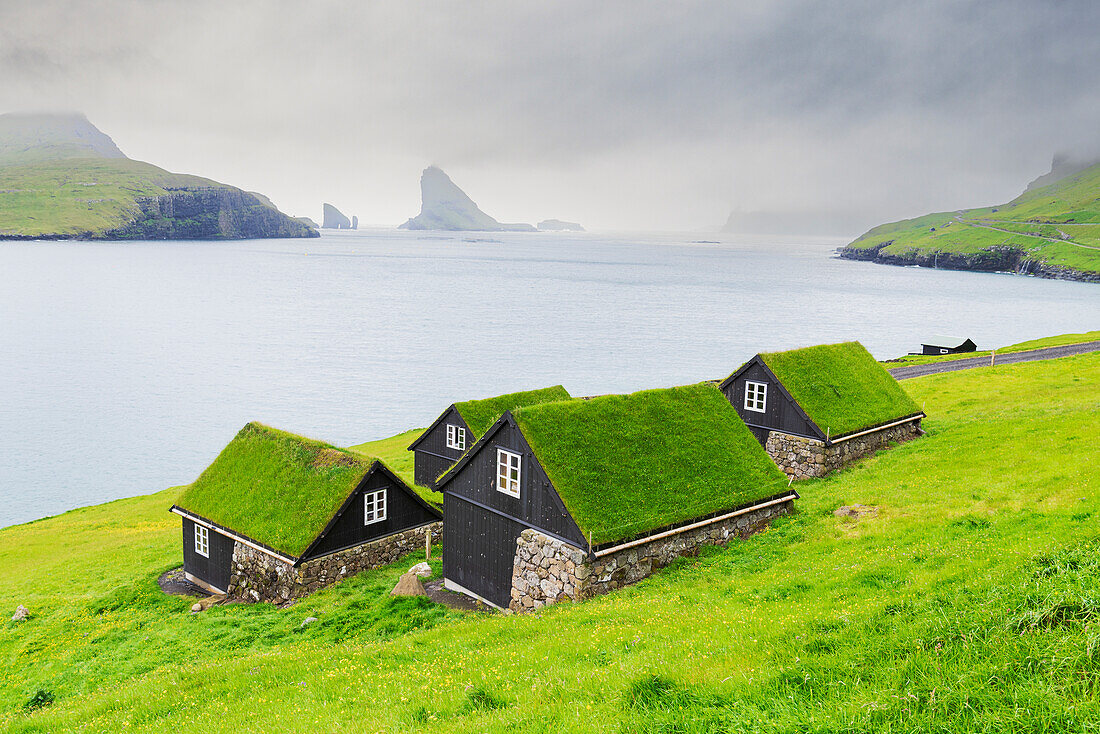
(1051,230)
(445,206)
(62,178)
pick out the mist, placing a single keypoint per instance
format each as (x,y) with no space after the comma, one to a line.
(617,115)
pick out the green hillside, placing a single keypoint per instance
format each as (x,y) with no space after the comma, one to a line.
(61,177)
(969,603)
(1052,230)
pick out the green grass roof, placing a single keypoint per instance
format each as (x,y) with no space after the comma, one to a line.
(840,386)
(480,415)
(275,487)
(627,464)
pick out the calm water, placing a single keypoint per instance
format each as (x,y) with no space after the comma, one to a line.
(124,368)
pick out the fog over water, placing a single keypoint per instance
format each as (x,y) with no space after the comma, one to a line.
(127,366)
(619,115)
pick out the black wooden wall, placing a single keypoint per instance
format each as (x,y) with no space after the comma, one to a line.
(402,513)
(431,457)
(781,414)
(214,570)
(481,523)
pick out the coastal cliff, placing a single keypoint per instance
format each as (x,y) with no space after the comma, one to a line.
(1052,230)
(62,178)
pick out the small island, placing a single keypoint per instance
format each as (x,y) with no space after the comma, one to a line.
(557,225)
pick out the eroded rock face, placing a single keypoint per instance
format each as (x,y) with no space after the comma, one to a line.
(445,206)
(334,218)
(208,213)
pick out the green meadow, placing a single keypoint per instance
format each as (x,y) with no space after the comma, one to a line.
(1050,341)
(1057,224)
(969,603)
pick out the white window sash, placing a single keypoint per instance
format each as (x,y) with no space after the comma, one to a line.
(202,541)
(756,396)
(374,507)
(509,472)
(456,437)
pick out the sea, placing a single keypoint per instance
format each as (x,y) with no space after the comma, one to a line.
(126,366)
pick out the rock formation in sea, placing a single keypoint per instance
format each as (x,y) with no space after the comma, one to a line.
(558,225)
(445,206)
(355,222)
(334,218)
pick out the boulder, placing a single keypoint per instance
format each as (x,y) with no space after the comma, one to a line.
(422,569)
(409,585)
(21,614)
(308,621)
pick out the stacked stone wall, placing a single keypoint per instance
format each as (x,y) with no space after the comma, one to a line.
(547,570)
(258,576)
(804,458)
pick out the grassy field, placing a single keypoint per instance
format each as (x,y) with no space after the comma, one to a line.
(393,451)
(1058,224)
(969,603)
(1050,341)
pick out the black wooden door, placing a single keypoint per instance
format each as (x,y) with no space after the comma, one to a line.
(479,548)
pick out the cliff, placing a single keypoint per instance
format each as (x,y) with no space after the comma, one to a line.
(1052,230)
(445,206)
(62,178)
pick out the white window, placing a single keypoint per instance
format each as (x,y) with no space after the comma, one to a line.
(202,541)
(943,351)
(374,507)
(456,437)
(756,396)
(508,472)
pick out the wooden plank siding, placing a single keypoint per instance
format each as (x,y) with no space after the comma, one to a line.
(782,413)
(481,523)
(431,456)
(349,528)
(215,569)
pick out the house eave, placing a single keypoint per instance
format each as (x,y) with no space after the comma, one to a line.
(242,539)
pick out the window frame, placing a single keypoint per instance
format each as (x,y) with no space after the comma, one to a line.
(756,393)
(202,532)
(944,351)
(371,502)
(456,437)
(509,460)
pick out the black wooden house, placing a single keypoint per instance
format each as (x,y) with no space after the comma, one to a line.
(275,512)
(461,424)
(593,474)
(808,406)
(947,345)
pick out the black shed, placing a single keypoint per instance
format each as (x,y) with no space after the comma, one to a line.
(947,345)
(592,474)
(281,513)
(461,424)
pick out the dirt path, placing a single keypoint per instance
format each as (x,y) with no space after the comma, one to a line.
(972,223)
(920,370)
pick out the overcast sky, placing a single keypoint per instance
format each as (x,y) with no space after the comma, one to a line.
(620,115)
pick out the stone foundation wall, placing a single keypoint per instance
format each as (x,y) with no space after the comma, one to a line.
(803,458)
(257,576)
(547,570)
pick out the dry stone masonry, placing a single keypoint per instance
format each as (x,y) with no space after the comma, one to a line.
(804,458)
(547,570)
(258,576)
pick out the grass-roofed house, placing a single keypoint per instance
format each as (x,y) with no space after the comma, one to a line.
(818,408)
(947,345)
(571,499)
(461,424)
(277,516)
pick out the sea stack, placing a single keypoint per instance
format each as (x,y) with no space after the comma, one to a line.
(334,218)
(445,206)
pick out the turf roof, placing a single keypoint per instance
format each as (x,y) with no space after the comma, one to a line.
(628,464)
(480,415)
(840,386)
(275,487)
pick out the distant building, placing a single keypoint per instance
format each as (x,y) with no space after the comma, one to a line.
(566,500)
(816,409)
(947,345)
(461,424)
(277,516)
